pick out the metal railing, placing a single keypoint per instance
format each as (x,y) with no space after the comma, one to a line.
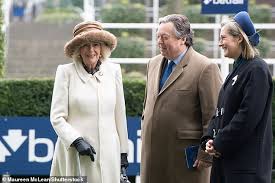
(214,26)
(219,61)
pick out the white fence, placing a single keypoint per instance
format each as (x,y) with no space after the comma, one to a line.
(219,61)
(223,62)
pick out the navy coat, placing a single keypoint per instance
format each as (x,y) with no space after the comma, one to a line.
(242,126)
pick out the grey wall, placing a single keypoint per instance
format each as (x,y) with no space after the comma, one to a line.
(36,49)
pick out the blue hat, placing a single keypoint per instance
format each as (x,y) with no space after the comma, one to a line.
(244,21)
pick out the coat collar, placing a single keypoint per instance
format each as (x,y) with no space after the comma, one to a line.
(84,76)
(179,69)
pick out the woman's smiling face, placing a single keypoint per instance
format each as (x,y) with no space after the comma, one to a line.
(230,44)
(90,54)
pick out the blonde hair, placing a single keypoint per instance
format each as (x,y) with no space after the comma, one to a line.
(248,50)
(104,50)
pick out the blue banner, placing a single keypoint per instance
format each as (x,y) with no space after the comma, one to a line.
(223,6)
(27,145)
(18,11)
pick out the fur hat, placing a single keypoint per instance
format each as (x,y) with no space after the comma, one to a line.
(87,32)
(244,21)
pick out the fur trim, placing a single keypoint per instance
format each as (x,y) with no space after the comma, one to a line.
(81,39)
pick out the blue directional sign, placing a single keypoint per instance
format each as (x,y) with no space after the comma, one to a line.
(223,6)
(27,145)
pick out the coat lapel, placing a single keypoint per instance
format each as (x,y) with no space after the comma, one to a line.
(179,70)
(102,71)
(174,75)
(83,75)
(157,72)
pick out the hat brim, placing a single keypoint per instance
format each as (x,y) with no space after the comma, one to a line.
(88,37)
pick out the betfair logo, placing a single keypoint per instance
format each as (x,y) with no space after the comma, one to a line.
(207,1)
(14,140)
(225,2)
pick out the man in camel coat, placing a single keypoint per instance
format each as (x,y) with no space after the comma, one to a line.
(177,110)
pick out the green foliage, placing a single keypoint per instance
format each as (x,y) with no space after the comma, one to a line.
(260,13)
(50,4)
(135,75)
(2,43)
(33,97)
(134,71)
(25,97)
(192,2)
(78,3)
(193,13)
(134,96)
(65,3)
(264,47)
(123,13)
(64,15)
(199,45)
(130,47)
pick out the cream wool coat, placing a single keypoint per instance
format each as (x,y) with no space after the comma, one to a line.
(92,107)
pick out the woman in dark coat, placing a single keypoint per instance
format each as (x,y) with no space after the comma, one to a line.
(240,134)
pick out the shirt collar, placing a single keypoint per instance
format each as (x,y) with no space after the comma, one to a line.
(180,57)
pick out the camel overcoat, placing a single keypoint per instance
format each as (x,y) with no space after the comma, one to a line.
(92,107)
(176,117)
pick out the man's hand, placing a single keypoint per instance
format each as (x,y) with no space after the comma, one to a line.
(199,164)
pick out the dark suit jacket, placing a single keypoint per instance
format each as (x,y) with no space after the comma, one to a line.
(177,117)
(243,126)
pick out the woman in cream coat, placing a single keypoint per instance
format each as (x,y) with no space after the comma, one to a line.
(88,109)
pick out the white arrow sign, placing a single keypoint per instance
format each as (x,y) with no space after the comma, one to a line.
(3,152)
(207,1)
(15,139)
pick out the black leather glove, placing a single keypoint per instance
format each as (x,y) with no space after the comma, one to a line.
(124,160)
(124,165)
(84,148)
